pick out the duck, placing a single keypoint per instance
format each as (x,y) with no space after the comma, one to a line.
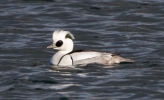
(66,56)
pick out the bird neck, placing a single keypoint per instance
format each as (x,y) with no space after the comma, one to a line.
(68,46)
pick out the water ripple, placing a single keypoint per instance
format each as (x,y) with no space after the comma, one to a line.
(133,29)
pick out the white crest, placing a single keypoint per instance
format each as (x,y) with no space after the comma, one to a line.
(61,34)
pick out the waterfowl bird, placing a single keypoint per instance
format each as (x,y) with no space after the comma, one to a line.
(63,42)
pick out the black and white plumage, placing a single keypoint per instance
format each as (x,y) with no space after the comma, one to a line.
(63,42)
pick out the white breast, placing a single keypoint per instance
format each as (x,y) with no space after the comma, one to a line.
(69,59)
(61,59)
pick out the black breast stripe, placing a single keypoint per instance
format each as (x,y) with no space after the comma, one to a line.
(60,59)
(71,59)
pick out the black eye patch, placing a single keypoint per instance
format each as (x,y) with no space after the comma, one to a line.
(59,43)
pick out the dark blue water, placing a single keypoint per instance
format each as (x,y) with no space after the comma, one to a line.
(134,29)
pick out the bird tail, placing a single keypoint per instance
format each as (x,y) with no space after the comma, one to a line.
(119,59)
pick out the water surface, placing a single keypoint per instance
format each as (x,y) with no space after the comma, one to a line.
(131,28)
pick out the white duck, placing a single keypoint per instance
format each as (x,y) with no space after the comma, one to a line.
(63,41)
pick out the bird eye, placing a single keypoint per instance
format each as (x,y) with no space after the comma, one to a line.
(59,43)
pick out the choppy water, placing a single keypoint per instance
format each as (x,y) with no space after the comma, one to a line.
(135,29)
